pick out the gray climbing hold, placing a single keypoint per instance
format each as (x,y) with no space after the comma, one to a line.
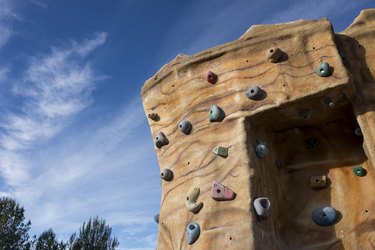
(193,230)
(324,70)
(191,200)
(211,77)
(156,218)
(260,150)
(330,102)
(166,174)
(274,54)
(324,216)
(185,127)
(305,114)
(358,132)
(221,151)
(254,93)
(161,140)
(216,114)
(262,206)
(359,171)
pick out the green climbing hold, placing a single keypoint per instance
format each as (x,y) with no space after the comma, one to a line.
(359,171)
(324,69)
(221,151)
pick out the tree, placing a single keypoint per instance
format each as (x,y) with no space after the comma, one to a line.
(13,229)
(48,241)
(94,235)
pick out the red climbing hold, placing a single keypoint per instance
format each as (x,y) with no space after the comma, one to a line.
(220,192)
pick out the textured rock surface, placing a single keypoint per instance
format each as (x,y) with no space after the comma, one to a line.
(306,122)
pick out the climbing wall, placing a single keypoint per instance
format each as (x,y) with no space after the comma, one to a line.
(267,142)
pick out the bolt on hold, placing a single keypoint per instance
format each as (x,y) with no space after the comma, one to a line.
(359,171)
(262,206)
(161,140)
(193,231)
(274,54)
(153,116)
(185,127)
(216,114)
(324,216)
(219,192)
(260,150)
(318,181)
(324,70)
(191,200)
(211,77)
(166,174)
(220,151)
(254,93)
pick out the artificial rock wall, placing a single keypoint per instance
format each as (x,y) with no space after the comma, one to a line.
(295,123)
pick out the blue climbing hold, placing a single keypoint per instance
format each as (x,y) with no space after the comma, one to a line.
(156,218)
(193,230)
(260,150)
(324,69)
(324,216)
(185,127)
(216,114)
(254,93)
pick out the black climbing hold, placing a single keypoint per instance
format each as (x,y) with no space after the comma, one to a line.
(324,69)
(166,174)
(156,218)
(254,93)
(262,206)
(274,54)
(185,127)
(305,114)
(359,171)
(193,230)
(260,150)
(312,143)
(211,77)
(216,114)
(153,116)
(324,216)
(161,140)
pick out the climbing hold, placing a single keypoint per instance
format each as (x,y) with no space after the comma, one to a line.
(216,114)
(161,140)
(211,77)
(193,230)
(305,114)
(260,150)
(330,102)
(156,218)
(262,206)
(166,174)
(153,116)
(220,192)
(274,54)
(312,143)
(221,151)
(318,181)
(324,216)
(358,132)
(254,93)
(359,171)
(191,200)
(185,126)
(324,69)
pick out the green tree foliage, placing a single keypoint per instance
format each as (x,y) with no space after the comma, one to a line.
(94,235)
(48,241)
(13,228)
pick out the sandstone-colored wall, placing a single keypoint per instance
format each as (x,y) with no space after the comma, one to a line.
(180,91)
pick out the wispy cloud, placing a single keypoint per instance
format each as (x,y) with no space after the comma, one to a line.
(7,16)
(41,3)
(54,88)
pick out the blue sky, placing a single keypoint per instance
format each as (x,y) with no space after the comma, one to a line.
(74,140)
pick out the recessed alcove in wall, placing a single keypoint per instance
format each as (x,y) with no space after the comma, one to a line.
(315,136)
